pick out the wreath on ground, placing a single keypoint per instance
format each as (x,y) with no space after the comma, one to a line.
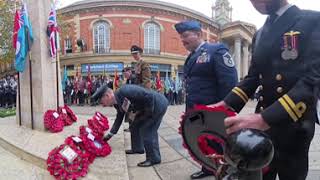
(53,121)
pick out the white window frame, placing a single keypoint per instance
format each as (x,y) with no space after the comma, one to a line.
(103,35)
(152,38)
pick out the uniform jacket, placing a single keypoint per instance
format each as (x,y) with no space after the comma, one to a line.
(140,99)
(210,75)
(287,101)
(143,74)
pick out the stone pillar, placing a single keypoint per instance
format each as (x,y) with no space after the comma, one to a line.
(245,59)
(237,55)
(44,84)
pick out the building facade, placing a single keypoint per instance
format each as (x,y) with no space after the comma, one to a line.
(99,34)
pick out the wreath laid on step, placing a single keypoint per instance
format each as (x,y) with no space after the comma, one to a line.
(65,162)
(70,113)
(76,142)
(53,121)
(65,116)
(96,145)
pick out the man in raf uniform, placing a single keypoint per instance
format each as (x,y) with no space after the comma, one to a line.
(130,78)
(142,69)
(153,106)
(288,44)
(209,71)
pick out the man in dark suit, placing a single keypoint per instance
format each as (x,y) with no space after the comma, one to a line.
(152,106)
(209,71)
(288,44)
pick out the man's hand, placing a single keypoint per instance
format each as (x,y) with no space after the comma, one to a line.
(221,103)
(253,121)
(107,137)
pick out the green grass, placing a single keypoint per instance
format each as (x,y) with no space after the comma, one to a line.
(7,112)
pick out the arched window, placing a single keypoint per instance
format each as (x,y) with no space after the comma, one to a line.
(152,38)
(101,36)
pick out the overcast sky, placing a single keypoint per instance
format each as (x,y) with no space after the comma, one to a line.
(242,9)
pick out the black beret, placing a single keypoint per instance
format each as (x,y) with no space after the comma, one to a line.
(135,49)
(99,93)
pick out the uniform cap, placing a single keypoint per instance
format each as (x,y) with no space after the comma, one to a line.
(187,26)
(135,49)
(99,93)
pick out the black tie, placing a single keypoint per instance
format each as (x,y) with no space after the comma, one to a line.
(271,19)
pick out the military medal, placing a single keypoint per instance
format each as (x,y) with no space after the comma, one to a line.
(203,58)
(290,45)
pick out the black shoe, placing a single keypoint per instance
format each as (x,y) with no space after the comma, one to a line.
(147,163)
(200,174)
(134,152)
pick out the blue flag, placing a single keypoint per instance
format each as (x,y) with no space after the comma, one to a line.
(65,78)
(24,40)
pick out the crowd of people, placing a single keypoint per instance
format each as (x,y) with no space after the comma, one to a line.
(8,92)
(77,91)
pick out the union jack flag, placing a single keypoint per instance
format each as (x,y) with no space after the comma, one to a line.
(52,32)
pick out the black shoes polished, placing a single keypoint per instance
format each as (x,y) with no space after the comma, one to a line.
(134,152)
(147,163)
(200,174)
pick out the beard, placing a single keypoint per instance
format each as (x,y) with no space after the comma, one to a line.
(273,6)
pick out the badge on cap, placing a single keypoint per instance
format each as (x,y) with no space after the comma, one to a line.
(290,45)
(228,60)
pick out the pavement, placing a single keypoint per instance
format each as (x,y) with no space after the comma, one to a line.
(176,162)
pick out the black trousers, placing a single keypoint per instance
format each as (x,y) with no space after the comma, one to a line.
(288,166)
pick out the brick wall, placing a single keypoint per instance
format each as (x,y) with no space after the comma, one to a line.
(127,29)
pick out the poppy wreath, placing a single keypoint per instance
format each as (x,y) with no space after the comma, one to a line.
(207,143)
(84,131)
(100,115)
(96,146)
(53,122)
(70,113)
(61,168)
(65,117)
(103,120)
(76,142)
(96,126)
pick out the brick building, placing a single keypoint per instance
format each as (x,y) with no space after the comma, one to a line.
(100,33)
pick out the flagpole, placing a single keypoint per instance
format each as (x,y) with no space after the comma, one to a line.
(31,94)
(57,76)
(19,99)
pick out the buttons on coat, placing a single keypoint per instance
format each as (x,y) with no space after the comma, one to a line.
(280,90)
(278,77)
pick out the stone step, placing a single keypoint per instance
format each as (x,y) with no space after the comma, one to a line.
(33,146)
